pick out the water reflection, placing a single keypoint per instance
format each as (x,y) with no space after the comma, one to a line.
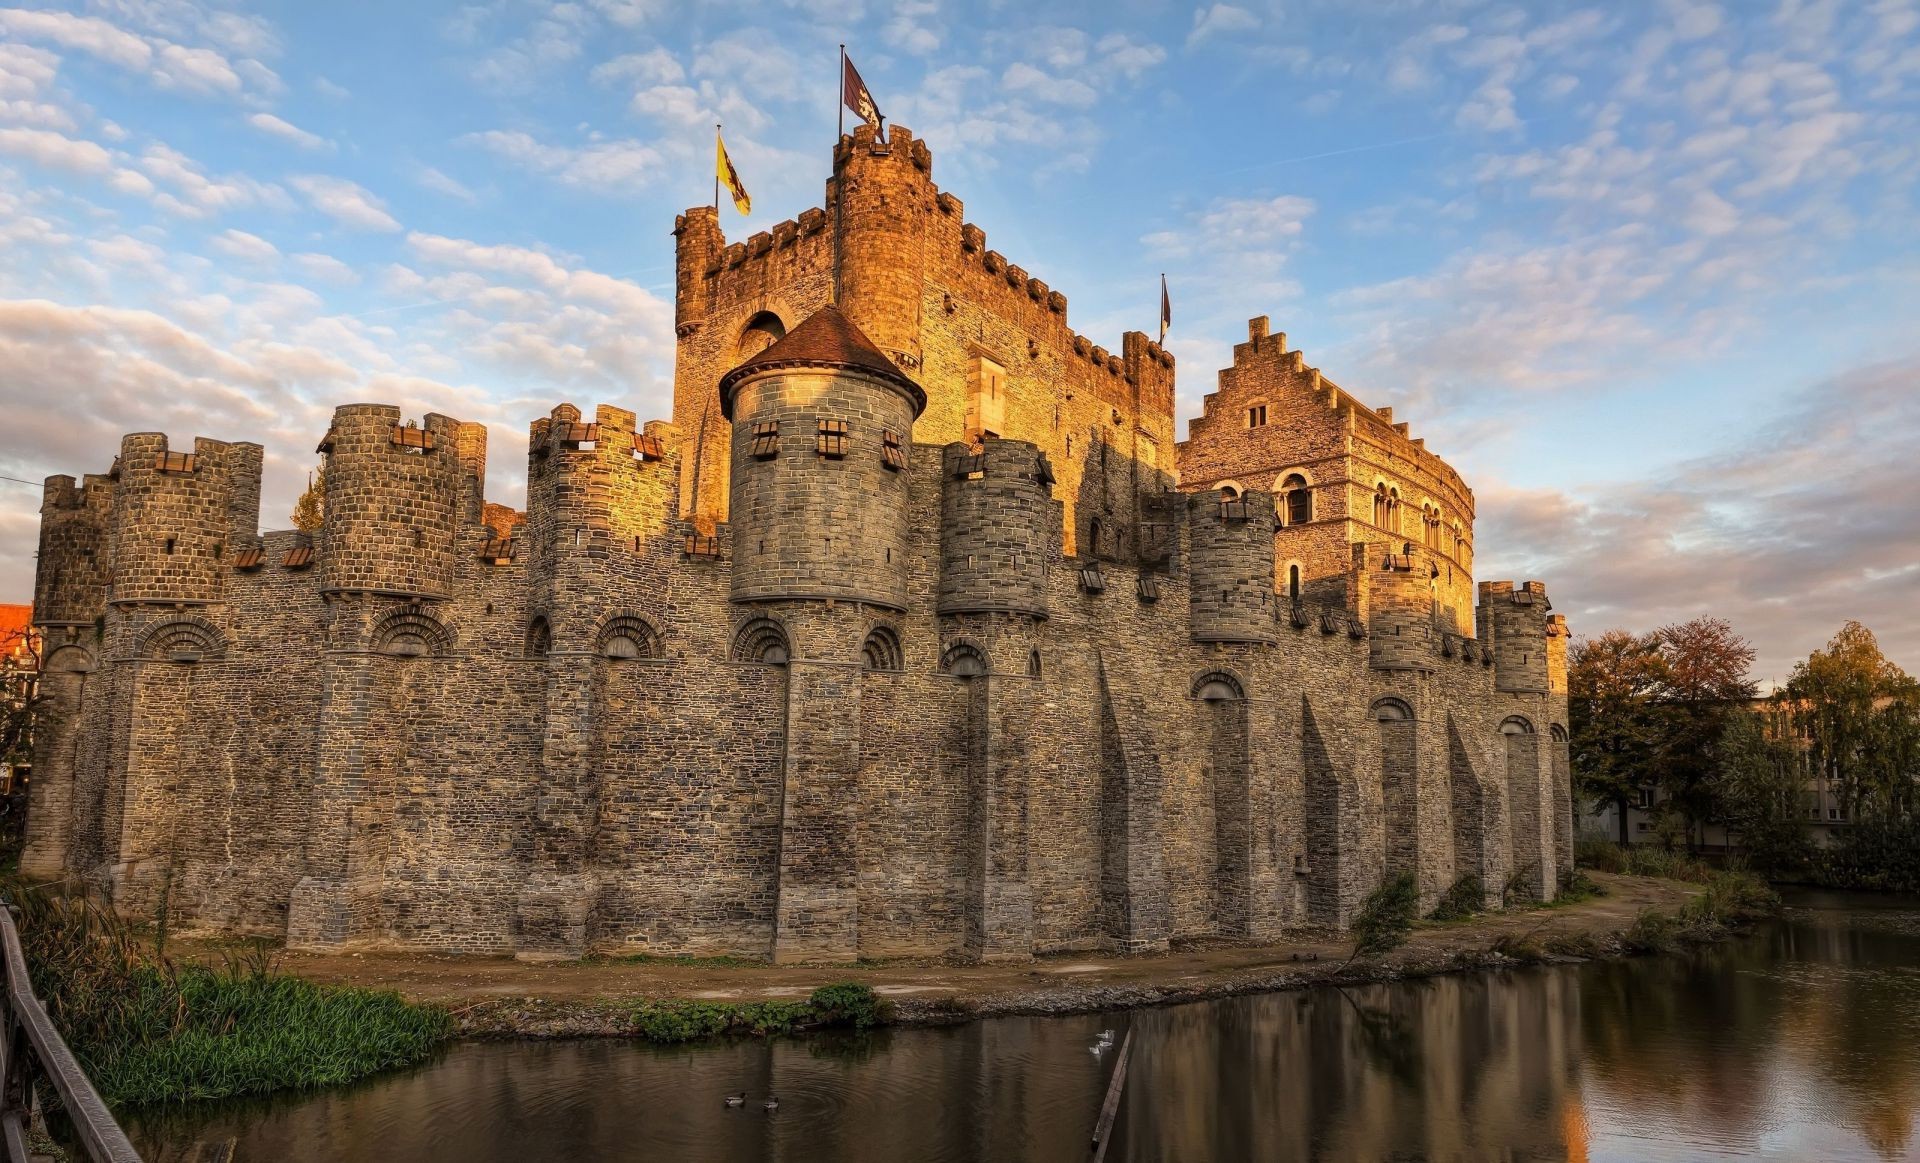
(1796,1044)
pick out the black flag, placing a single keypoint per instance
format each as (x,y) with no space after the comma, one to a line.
(853,93)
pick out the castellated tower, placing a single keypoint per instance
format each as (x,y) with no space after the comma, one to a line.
(70,587)
(177,514)
(886,200)
(396,497)
(1231,567)
(1514,619)
(1400,614)
(996,517)
(819,500)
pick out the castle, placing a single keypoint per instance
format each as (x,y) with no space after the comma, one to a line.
(914,633)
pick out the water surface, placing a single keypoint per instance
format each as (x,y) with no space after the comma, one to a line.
(1801,1042)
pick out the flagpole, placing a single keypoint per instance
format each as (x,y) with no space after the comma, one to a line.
(839,97)
(716,173)
(840,102)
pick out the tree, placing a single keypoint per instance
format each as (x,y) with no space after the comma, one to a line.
(311,509)
(1758,781)
(1862,717)
(1615,721)
(1703,688)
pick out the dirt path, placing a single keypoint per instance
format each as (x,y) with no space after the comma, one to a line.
(536,998)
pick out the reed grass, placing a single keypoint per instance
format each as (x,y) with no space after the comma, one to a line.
(149,1030)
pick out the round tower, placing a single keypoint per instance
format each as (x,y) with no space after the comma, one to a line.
(1517,617)
(1231,567)
(170,527)
(394,500)
(696,247)
(70,583)
(1400,589)
(886,196)
(996,510)
(822,428)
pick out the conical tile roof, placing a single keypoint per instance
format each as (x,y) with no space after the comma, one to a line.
(825,339)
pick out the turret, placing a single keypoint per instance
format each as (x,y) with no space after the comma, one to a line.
(1558,639)
(822,429)
(70,581)
(176,514)
(886,197)
(1400,590)
(396,495)
(1231,567)
(996,522)
(595,490)
(1516,618)
(697,243)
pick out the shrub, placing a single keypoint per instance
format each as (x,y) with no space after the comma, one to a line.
(1652,932)
(1730,898)
(1598,852)
(847,1003)
(1464,898)
(1577,886)
(1881,855)
(1518,888)
(1386,917)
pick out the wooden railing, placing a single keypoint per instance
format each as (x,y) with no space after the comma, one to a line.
(31,1051)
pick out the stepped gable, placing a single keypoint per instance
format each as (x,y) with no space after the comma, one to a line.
(825,339)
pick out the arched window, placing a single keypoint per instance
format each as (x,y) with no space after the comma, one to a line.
(1230,490)
(963,659)
(539,638)
(411,632)
(1392,711)
(1033,663)
(628,636)
(881,651)
(1393,509)
(1293,583)
(761,640)
(1299,499)
(1218,686)
(1380,505)
(183,640)
(761,332)
(1515,725)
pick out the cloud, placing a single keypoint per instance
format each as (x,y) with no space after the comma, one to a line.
(190,193)
(88,34)
(432,179)
(56,151)
(656,66)
(345,202)
(1021,77)
(1801,523)
(325,268)
(246,247)
(286,131)
(604,167)
(1220,20)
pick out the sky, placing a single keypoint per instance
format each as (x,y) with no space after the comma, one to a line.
(1646,272)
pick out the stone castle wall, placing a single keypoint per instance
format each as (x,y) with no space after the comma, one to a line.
(811,702)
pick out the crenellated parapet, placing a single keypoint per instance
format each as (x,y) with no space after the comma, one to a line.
(1400,600)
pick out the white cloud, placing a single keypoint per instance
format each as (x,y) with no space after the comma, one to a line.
(345,202)
(440,183)
(246,247)
(86,34)
(286,131)
(56,151)
(326,269)
(1220,20)
(193,194)
(656,66)
(607,167)
(1021,77)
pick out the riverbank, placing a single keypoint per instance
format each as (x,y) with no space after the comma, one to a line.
(497,997)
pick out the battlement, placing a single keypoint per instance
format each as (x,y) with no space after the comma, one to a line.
(176,514)
(397,495)
(1230,567)
(1514,617)
(999,528)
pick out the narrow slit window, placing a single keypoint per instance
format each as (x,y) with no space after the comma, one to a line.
(766,440)
(831,440)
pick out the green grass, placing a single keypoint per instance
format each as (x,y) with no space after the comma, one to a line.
(149,1030)
(1640,860)
(846,1003)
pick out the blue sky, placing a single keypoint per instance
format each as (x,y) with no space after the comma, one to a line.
(1645,272)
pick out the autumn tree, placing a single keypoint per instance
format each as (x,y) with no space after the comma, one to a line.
(1704,687)
(1615,719)
(311,509)
(1862,717)
(1759,779)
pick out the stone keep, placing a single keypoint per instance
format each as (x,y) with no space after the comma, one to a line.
(821,669)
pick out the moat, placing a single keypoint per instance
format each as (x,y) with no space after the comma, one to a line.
(1795,1042)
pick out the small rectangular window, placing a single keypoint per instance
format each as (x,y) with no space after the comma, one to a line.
(1257,416)
(169,547)
(831,440)
(891,453)
(498,550)
(766,440)
(698,546)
